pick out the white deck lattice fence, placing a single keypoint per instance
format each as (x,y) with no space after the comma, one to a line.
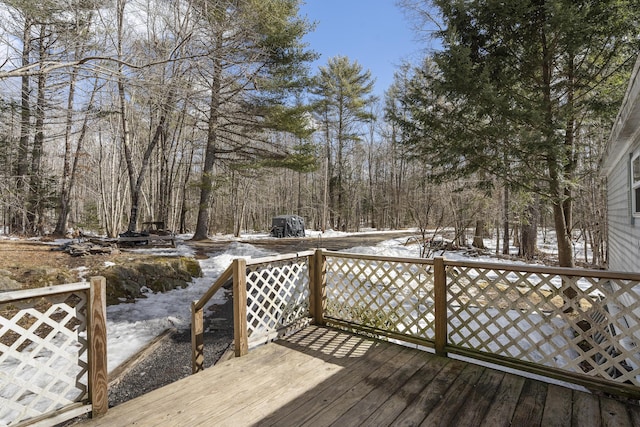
(44,353)
(574,325)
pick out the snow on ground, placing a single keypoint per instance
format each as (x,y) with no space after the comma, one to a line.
(132,326)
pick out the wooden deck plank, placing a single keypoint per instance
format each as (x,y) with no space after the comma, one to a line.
(296,388)
(303,409)
(501,410)
(198,384)
(614,413)
(558,405)
(322,376)
(260,397)
(173,400)
(398,401)
(479,399)
(446,411)
(586,410)
(430,395)
(358,413)
(531,404)
(285,382)
(634,413)
(342,403)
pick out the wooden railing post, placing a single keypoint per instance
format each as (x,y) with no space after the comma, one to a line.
(197,338)
(240,331)
(318,282)
(97,352)
(440,305)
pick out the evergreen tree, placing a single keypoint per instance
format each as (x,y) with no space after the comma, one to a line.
(257,61)
(514,84)
(343,97)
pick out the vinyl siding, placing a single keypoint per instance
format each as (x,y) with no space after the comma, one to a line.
(624,234)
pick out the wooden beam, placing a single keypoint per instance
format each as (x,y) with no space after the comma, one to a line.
(275,258)
(440,305)
(319,287)
(197,338)
(97,337)
(219,283)
(24,294)
(240,332)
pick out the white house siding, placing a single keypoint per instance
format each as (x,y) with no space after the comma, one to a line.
(623,228)
(624,242)
(624,232)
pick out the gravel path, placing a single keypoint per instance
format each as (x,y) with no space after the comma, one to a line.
(170,359)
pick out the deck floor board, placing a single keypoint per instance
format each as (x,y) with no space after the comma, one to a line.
(322,376)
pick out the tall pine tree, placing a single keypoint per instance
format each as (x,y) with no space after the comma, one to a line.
(515,82)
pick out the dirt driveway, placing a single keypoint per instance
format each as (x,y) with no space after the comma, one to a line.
(297,244)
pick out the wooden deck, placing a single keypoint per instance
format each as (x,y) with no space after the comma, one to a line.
(321,377)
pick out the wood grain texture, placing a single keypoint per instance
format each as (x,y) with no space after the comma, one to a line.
(440,305)
(240,334)
(97,336)
(558,406)
(586,410)
(319,287)
(321,376)
(504,402)
(197,339)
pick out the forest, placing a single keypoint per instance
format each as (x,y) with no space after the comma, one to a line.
(206,115)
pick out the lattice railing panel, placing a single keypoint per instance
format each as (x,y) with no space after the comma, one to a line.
(43,355)
(391,295)
(580,324)
(277,295)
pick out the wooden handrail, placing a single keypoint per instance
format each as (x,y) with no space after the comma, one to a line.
(349,255)
(560,271)
(276,258)
(197,321)
(42,292)
(219,283)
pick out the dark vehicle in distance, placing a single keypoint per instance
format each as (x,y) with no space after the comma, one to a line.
(287,226)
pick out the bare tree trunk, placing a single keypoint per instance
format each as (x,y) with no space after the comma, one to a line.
(136,189)
(18,221)
(35,202)
(69,169)
(478,236)
(183,204)
(529,227)
(505,222)
(211,151)
(497,226)
(325,193)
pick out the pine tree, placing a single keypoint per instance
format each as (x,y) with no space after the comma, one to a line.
(343,97)
(257,61)
(516,81)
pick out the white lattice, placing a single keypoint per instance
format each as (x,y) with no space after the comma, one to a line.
(390,295)
(277,296)
(43,355)
(569,322)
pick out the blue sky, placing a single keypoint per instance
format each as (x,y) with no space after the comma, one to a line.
(373,32)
